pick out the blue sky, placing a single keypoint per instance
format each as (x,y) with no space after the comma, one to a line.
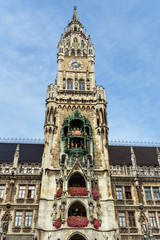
(126,37)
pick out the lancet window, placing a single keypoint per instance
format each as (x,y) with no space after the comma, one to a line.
(69,84)
(81,85)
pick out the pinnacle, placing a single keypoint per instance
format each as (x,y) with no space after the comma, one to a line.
(75,17)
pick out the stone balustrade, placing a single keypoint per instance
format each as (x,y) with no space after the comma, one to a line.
(144,171)
(121,170)
(22,169)
(148,171)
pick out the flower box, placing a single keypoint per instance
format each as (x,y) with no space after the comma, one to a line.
(59,193)
(96,223)
(95,194)
(77,221)
(58,223)
(77,191)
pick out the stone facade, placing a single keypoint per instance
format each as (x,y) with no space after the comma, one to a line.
(76,186)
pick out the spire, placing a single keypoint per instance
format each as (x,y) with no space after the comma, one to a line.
(16,157)
(75,17)
(89,40)
(61,40)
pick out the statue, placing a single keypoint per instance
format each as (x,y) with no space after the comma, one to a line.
(54,214)
(63,204)
(99,212)
(4,226)
(91,206)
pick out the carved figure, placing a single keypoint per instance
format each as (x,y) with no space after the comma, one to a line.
(4,226)
(91,206)
(76,84)
(54,210)
(3,237)
(99,212)
(72,143)
(63,205)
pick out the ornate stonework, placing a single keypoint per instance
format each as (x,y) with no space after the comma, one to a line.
(75,186)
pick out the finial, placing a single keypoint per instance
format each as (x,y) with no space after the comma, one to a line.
(75,17)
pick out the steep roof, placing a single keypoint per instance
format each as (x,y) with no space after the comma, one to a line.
(119,155)
(28,153)
(7,151)
(146,156)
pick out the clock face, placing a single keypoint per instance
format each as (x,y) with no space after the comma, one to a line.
(75,64)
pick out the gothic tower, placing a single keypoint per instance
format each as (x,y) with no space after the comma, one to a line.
(76,198)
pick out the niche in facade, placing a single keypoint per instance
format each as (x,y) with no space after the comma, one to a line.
(77,209)
(77,180)
(77,237)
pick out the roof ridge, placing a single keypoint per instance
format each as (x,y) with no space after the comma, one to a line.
(22,140)
(111,142)
(133,143)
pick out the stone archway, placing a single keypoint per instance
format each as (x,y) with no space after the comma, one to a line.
(77,237)
(76,180)
(77,209)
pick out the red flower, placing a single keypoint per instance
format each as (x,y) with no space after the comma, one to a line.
(59,193)
(58,223)
(77,221)
(96,223)
(77,191)
(95,194)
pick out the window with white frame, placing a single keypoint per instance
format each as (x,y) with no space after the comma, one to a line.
(31,190)
(128,192)
(122,219)
(148,193)
(119,193)
(152,218)
(2,191)
(156,193)
(18,219)
(131,219)
(22,191)
(28,219)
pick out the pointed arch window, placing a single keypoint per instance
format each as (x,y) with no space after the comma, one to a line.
(69,84)
(75,40)
(81,85)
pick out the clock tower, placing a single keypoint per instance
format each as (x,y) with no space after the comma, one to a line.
(76,199)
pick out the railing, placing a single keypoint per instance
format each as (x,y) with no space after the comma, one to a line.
(148,171)
(6,168)
(121,170)
(141,171)
(22,169)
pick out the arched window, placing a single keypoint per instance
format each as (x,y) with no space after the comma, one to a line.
(77,209)
(75,28)
(69,84)
(81,85)
(77,237)
(76,180)
(75,40)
